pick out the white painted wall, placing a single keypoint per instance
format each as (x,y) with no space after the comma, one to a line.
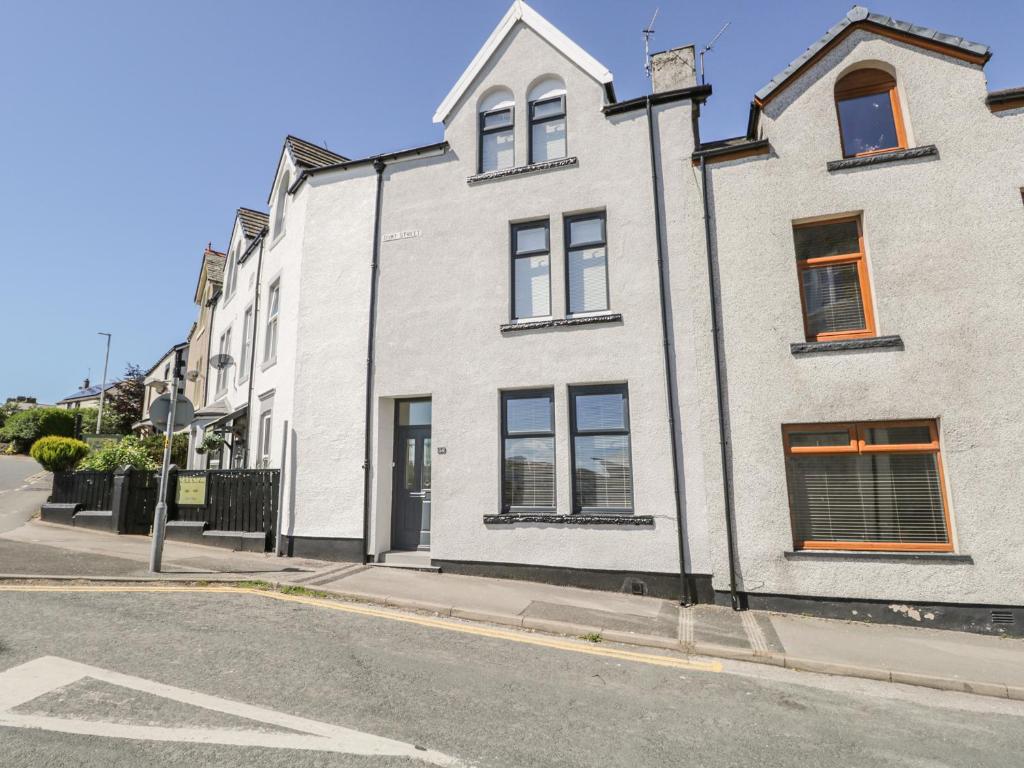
(943,245)
(443,297)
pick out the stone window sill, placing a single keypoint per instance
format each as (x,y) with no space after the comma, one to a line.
(873,342)
(519,170)
(611,317)
(892,557)
(510,518)
(896,156)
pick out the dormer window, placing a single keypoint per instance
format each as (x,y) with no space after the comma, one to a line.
(870,119)
(497,132)
(547,121)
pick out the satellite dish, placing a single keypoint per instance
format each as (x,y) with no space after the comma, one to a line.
(160,411)
(221,361)
(192,375)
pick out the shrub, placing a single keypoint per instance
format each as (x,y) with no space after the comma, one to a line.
(25,427)
(57,454)
(129,452)
(179,448)
(111,421)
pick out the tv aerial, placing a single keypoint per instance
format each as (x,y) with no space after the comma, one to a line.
(707,49)
(648,33)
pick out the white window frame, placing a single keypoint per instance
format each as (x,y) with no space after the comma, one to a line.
(280,205)
(265,436)
(231,278)
(272,325)
(248,342)
(223,348)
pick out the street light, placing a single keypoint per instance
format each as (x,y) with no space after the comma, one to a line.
(103,386)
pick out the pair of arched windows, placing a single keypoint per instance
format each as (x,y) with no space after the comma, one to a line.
(870,118)
(547,120)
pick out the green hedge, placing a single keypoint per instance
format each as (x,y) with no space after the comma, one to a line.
(57,454)
(25,427)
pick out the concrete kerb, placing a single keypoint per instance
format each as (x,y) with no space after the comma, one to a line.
(978,688)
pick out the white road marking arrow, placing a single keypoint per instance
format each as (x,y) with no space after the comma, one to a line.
(21,684)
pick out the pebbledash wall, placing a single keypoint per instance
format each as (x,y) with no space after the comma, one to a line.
(942,235)
(941,232)
(443,300)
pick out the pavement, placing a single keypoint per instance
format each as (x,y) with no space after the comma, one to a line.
(176,676)
(945,660)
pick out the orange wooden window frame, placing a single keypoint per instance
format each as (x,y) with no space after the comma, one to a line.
(868,82)
(857,258)
(858,444)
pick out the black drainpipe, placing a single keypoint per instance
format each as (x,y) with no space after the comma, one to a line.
(378,166)
(720,392)
(670,389)
(252,355)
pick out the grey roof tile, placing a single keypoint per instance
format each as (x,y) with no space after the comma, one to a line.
(308,155)
(859,14)
(214,262)
(253,222)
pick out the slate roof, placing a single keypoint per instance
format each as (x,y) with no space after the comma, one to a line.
(858,15)
(214,263)
(253,222)
(87,392)
(307,155)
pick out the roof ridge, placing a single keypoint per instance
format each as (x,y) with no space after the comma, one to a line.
(886,25)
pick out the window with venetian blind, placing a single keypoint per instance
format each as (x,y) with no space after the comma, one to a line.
(531,270)
(867,486)
(586,263)
(834,289)
(528,451)
(602,461)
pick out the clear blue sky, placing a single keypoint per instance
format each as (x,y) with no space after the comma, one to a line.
(133,130)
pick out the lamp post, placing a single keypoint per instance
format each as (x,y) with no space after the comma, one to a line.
(103,386)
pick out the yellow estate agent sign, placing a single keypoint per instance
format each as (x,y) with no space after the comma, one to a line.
(191,490)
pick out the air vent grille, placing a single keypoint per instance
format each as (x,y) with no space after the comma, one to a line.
(1003,617)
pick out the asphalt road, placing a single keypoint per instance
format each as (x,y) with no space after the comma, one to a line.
(439,694)
(19,499)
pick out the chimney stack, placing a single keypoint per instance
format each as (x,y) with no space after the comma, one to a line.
(673,69)
(85,384)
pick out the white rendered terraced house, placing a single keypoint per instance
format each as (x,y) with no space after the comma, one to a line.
(572,342)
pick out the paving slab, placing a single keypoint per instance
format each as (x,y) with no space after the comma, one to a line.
(928,652)
(665,624)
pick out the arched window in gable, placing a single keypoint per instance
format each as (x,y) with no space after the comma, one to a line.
(870,118)
(547,121)
(497,146)
(279,204)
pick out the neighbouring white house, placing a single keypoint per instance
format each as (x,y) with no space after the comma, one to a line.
(255,307)
(575,341)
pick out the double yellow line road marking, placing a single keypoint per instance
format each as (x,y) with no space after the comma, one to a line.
(447,625)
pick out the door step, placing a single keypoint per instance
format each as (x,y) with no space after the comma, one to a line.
(415,560)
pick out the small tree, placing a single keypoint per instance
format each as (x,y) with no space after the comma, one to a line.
(111,421)
(179,448)
(25,427)
(126,399)
(129,452)
(57,454)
